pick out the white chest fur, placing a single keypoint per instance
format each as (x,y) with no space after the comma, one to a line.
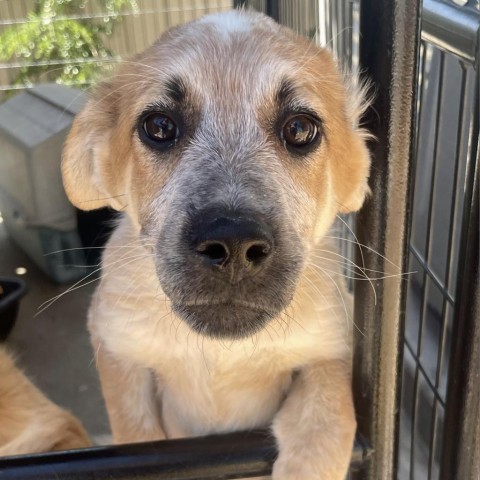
(209,385)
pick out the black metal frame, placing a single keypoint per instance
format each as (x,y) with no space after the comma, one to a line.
(236,455)
(216,457)
(389,34)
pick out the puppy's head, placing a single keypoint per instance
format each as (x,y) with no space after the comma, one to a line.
(232,145)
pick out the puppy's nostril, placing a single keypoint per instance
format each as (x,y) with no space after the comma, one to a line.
(214,251)
(257,252)
(232,247)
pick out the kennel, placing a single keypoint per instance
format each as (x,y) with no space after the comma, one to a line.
(417,358)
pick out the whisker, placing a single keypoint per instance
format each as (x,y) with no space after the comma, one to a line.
(104,198)
(354,236)
(364,246)
(344,304)
(79,284)
(100,248)
(293,319)
(317,290)
(360,279)
(366,277)
(345,263)
(353,267)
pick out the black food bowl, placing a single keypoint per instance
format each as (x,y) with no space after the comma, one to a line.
(11,291)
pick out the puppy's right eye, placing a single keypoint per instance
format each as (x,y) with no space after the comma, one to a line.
(160,130)
(300,131)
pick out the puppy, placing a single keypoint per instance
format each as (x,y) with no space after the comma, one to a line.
(29,422)
(231,145)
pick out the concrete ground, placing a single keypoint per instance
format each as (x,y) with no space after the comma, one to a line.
(53,348)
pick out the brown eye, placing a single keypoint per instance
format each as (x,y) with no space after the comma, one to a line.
(300,131)
(160,128)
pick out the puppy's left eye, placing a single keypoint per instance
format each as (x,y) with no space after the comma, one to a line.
(300,131)
(160,128)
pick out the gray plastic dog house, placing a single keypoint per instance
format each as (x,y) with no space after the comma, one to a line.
(34,206)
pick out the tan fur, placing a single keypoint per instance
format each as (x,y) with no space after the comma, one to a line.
(29,422)
(160,378)
(115,376)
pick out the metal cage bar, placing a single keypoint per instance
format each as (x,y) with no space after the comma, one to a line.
(461,443)
(451,27)
(389,48)
(216,457)
(440,404)
(426,277)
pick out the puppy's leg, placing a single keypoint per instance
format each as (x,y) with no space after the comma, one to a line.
(315,427)
(30,422)
(48,429)
(130,394)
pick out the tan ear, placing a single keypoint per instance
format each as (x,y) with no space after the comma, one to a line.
(355,201)
(355,159)
(86,154)
(352,172)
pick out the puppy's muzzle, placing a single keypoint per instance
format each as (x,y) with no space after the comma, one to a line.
(233,247)
(227,271)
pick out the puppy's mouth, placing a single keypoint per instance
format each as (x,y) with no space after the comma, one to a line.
(234,320)
(195,262)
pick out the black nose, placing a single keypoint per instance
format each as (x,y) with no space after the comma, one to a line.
(235,246)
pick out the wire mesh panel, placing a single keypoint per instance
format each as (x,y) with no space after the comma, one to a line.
(445,143)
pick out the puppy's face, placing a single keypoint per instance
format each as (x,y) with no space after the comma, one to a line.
(232,144)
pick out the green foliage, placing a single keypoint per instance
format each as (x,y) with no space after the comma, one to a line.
(58,44)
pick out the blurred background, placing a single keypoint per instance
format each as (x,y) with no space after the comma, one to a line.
(72,42)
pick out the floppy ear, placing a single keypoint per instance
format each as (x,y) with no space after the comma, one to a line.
(86,158)
(353,178)
(354,164)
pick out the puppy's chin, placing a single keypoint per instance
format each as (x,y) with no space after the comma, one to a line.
(224,320)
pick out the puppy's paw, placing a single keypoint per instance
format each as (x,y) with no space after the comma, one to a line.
(69,434)
(316,425)
(313,452)
(295,466)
